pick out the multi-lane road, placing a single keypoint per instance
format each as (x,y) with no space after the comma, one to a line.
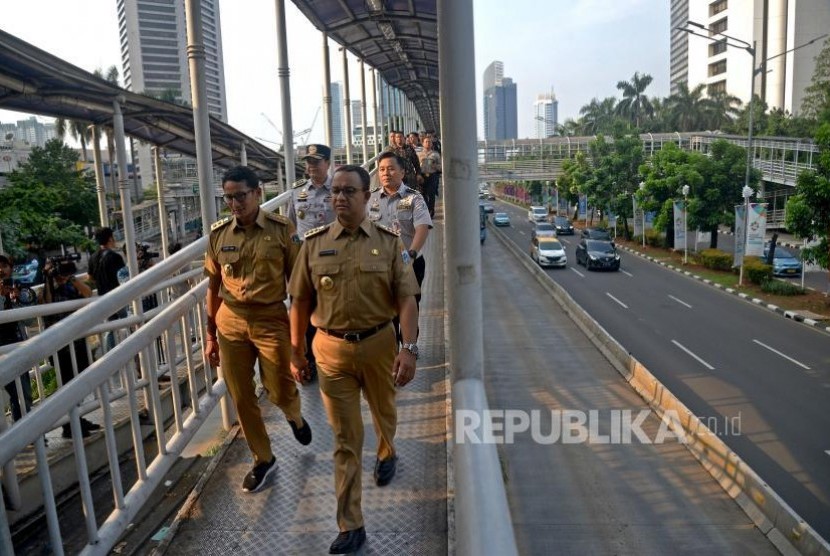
(760,381)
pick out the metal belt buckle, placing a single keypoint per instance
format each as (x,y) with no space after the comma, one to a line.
(352,337)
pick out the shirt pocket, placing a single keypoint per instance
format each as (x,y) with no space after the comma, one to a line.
(270,264)
(231,268)
(374,276)
(328,279)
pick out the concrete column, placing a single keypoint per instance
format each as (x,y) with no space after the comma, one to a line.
(363,118)
(386,98)
(124,187)
(377,125)
(243,154)
(201,121)
(327,116)
(163,222)
(182,218)
(283,72)
(100,188)
(347,106)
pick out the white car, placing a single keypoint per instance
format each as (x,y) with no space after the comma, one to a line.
(537,214)
(547,251)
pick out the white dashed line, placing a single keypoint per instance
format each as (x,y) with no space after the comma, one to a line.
(624,306)
(521,232)
(687,350)
(627,273)
(565,241)
(787,357)
(680,301)
(580,274)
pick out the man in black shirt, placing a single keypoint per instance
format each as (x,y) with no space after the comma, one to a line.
(11,333)
(104,265)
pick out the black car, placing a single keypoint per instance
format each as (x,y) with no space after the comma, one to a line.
(597,254)
(563,226)
(596,233)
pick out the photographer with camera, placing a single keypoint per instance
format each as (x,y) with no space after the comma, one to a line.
(62,285)
(104,265)
(11,296)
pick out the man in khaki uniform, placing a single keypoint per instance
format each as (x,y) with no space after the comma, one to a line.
(248,262)
(362,276)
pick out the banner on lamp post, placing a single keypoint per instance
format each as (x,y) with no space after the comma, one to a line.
(638,218)
(679,224)
(756,230)
(583,208)
(739,236)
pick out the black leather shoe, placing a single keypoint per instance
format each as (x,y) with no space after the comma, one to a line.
(302,434)
(385,470)
(348,541)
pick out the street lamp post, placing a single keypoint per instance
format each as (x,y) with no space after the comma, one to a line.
(642,187)
(747,193)
(685,191)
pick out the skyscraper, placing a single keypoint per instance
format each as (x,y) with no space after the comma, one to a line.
(356,120)
(773,26)
(337,133)
(545,115)
(154,57)
(500,107)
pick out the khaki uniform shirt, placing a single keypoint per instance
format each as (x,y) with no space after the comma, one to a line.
(402,211)
(310,206)
(254,262)
(358,277)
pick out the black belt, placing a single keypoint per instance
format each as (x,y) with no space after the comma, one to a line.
(354,337)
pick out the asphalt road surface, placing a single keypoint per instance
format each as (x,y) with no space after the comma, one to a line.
(760,381)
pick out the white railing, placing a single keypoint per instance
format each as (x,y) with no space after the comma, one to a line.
(164,341)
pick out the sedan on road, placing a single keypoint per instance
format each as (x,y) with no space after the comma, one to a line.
(596,233)
(784,263)
(489,208)
(537,214)
(501,219)
(597,254)
(547,251)
(543,229)
(563,226)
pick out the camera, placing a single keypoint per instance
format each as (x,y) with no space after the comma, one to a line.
(62,265)
(143,254)
(25,295)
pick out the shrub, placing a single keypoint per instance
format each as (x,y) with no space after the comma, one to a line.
(779,287)
(655,238)
(716,259)
(757,271)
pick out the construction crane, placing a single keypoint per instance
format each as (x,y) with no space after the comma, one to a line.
(302,134)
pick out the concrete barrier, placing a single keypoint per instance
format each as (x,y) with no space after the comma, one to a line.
(775,518)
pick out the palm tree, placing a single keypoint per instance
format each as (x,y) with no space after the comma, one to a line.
(687,109)
(112,77)
(722,109)
(598,115)
(635,105)
(568,127)
(77,129)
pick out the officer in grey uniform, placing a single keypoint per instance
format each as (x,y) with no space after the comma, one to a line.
(310,208)
(402,208)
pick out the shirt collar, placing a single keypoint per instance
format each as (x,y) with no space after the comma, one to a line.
(338,230)
(400,192)
(259,221)
(326,184)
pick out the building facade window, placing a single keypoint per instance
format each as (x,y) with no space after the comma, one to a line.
(717,48)
(718,27)
(719,87)
(717,7)
(717,68)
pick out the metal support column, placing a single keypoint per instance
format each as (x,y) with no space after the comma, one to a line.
(480,493)
(283,72)
(100,187)
(201,121)
(243,153)
(163,220)
(347,106)
(364,134)
(327,115)
(124,187)
(376,126)
(387,100)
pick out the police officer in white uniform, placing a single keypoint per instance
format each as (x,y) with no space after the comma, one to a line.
(310,208)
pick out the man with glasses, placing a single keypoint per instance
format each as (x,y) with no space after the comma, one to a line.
(310,208)
(362,276)
(248,262)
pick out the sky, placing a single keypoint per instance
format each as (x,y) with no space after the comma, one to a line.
(580,48)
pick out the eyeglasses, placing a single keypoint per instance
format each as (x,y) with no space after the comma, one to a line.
(346,191)
(238,197)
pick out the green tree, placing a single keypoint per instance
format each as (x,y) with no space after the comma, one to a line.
(49,198)
(817,95)
(77,129)
(635,105)
(576,171)
(598,116)
(721,110)
(808,211)
(687,108)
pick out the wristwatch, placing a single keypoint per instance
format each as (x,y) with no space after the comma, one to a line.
(413,253)
(411,348)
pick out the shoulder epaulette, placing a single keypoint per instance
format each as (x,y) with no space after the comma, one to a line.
(219,223)
(299,183)
(276,217)
(316,231)
(375,188)
(387,229)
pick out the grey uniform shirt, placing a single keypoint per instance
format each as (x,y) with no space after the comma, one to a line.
(310,206)
(402,211)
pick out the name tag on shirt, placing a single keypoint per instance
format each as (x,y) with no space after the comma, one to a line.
(228,248)
(328,252)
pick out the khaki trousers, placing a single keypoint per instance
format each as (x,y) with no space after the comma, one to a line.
(245,334)
(344,369)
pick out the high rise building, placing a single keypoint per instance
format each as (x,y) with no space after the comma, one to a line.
(356,120)
(153,37)
(500,105)
(545,115)
(29,132)
(337,132)
(773,26)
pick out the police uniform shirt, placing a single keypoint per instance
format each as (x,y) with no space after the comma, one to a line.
(254,262)
(402,211)
(310,205)
(358,277)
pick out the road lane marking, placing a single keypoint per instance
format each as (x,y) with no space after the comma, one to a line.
(627,273)
(575,270)
(787,357)
(680,301)
(565,241)
(521,232)
(617,300)
(827,452)
(687,350)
